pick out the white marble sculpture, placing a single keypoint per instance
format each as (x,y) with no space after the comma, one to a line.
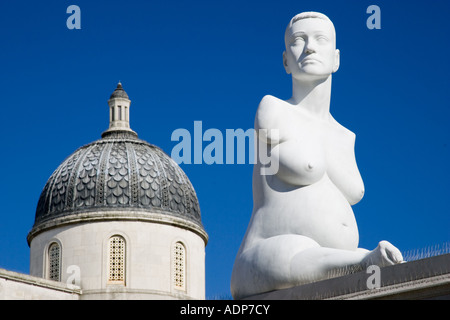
(303,226)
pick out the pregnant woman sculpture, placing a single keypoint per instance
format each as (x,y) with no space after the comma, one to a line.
(302,225)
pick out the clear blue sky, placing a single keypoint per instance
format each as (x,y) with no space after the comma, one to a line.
(213,61)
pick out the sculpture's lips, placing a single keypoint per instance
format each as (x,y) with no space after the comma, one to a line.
(306,60)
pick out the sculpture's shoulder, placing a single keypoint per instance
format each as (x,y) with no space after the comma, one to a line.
(269,112)
(342,131)
(269,100)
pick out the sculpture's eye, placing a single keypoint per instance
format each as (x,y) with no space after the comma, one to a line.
(321,39)
(298,40)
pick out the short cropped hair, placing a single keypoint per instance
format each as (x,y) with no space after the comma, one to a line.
(306,15)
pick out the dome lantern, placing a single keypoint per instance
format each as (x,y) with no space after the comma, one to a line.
(119,110)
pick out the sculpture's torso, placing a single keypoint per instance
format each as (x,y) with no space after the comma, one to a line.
(317,181)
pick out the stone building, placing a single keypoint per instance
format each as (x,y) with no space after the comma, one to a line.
(118,219)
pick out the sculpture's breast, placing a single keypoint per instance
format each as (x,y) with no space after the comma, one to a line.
(341,164)
(301,161)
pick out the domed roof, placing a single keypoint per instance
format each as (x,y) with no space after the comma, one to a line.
(118,177)
(119,92)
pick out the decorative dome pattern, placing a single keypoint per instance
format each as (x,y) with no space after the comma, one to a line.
(118,177)
(118,172)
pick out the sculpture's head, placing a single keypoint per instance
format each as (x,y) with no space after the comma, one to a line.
(311,53)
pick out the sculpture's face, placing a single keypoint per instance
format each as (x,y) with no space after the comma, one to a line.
(311,49)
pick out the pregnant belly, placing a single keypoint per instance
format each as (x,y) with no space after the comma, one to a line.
(318,211)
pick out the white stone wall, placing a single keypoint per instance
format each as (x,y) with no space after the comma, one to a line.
(17,286)
(148,259)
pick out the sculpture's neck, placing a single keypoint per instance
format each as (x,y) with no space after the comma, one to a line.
(314,96)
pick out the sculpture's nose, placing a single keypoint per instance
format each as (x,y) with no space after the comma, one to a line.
(309,47)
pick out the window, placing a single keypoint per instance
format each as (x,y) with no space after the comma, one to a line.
(179,266)
(54,261)
(116,260)
(120,112)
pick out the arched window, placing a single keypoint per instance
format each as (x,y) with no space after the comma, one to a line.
(116,260)
(54,261)
(179,266)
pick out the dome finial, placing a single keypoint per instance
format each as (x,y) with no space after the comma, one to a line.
(119,92)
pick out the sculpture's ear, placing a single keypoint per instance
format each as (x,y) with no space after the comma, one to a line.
(337,60)
(285,64)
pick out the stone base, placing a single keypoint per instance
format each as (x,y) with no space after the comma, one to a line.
(423,279)
(18,286)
